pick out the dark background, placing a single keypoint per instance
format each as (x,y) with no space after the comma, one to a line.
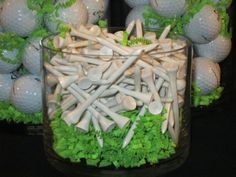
(213,146)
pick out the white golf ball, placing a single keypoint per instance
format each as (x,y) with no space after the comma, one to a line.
(6,83)
(26,94)
(134,3)
(137,13)
(206,74)
(169,8)
(18,18)
(74,15)
(204,26)
(6,67)
(217,50)
(96,10)
(31,58)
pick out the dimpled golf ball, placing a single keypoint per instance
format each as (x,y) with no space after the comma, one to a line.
(217,50)
(204,26)
(31,58)
(169,8)
(26,94)
(74,15)
(137,13)
(6,67)
(96,10)
(134,3)
(206,74)
(18,18)
(6,83)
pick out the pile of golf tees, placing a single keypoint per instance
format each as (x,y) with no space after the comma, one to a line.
(97,78)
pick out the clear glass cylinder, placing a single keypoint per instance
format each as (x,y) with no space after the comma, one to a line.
(116,115)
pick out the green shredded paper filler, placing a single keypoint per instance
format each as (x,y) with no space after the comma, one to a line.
(11,114)
(9,42)
(103,23)
(40,6)
(41,32)
(134,42)
(205,100)
(139,41)
(148,146)
(226,30)
(63,29)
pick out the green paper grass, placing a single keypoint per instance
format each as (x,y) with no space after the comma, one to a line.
(11,114)
(226,30)
(148,146)
(103,23)
(139,41)
(40,6)
(63,29)
(10,41)
(65,4)
(125,39)
(133,42)
(205,100)
(39,33)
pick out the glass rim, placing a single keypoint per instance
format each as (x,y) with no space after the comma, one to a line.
(177,37)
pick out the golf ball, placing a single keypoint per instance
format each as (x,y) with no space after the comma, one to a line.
(204,26)
(26,94)
(137,13)
(74,15)
(169,8)
(206,74)
(18,18)
(6,83)
(6,67)
(134,3)
(31,59)
(96,10)
(217,50)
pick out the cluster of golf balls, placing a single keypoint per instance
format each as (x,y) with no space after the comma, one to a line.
(210,47)
(24,90)
(203,29)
